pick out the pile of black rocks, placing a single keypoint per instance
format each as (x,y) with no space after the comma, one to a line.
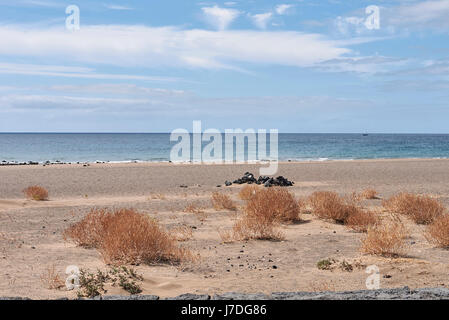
(262,180)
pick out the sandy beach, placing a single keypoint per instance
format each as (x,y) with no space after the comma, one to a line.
(31,231)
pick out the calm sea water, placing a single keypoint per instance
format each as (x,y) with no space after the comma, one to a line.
(83,147)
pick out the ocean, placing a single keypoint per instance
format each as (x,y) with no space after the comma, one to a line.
(155,147)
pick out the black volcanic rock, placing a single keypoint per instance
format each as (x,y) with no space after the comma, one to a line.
(249,178)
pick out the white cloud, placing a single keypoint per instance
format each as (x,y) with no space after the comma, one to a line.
(367,64)
(117,7)
(220,18)
(282,9)
(71,72)
(183,105)
(116,89)
(433,13)
(140,46)
(261,20)
(38,3)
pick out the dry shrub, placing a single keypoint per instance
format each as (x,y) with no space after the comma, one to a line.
(182,233)
(264,212)
(51,279)
(159,196)
(438,231)
(274,203)
(222,201)
(126,236)
(385,239)
(360,220)
(37,193)
(248,191)
(329,205)
(193,208)
(88,232)
(421,209)
(226,236)
(369,194)
(197,210)
(250,227)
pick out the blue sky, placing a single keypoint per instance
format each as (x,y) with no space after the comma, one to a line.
(154,66)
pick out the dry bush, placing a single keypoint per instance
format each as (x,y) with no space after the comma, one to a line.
(226,236)
(275,204)
(88,232)
(360,220)
(329,205)
(197,210)
(264,212)
(421,209)
(125,236)
(369,194)
(438,231)
(51,279)
(37,193)
(193,208)
(182,233)
(159,196)
(385,239)
(250,227)
(248,191)
(222,201)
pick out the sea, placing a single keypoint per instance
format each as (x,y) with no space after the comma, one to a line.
(156,147)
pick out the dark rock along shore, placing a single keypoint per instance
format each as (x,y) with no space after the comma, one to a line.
(404,293)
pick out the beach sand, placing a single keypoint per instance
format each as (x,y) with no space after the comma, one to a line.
(31,232)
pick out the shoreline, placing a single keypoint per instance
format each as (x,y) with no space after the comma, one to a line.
(190,163)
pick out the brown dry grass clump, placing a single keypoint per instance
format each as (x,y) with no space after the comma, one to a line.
(329,205)
(37,193)
(182,233)
(126,236)
(422,209)
(438,231)
(275,203)
(264,212)
(159,196)
(250,227)
(51,279)
(193,208)
(369,194)
(360,220)
(197,210)
(222,201)
(227,236)
(385,239)
(248,191)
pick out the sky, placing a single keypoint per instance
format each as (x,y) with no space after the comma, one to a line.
(330,66)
